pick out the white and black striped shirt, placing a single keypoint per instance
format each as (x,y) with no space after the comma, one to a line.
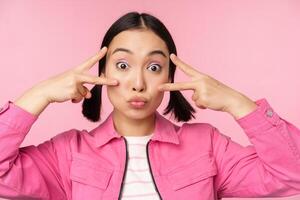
(138,182)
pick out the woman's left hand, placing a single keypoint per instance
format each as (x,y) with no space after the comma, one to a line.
(209,92)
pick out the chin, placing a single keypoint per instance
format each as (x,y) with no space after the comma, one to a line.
(138,114)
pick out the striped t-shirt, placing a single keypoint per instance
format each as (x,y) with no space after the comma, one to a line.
(138,182)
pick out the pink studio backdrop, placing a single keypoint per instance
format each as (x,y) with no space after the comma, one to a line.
(252,46)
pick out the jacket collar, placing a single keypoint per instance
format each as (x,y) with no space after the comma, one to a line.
(164,131)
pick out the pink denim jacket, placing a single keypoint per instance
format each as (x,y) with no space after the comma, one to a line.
(192,161)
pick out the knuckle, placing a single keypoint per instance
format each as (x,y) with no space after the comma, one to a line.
(74,93)
(203,78)
(72,80)
(198,104)
(100,80)
(97,80)
(70,96)
(75,78)
(195,96)
(204,98)
(84,92)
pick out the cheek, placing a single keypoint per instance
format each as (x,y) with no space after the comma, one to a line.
(156,97)
(154,84)
(117,94)
(110,72)
(114,93)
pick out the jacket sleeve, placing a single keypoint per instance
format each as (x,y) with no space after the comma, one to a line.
(27,172)
(269,167)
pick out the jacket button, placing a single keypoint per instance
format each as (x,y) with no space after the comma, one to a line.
(269,113)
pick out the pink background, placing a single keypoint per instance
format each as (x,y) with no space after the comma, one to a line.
(252,46)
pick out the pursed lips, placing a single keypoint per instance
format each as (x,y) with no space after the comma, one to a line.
(137,101)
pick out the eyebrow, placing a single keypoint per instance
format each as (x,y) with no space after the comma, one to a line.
(149,54)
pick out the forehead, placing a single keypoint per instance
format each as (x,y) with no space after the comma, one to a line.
(139,41)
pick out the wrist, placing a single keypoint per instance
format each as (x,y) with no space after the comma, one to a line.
(40,91)
(241,107)
(32,101)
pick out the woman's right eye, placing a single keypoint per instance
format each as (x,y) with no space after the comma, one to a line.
(122,65)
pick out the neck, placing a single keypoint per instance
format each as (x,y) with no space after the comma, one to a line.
(133,127)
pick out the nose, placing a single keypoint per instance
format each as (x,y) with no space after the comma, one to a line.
(139,83)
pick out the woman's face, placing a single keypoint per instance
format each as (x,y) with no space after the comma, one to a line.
(139,60)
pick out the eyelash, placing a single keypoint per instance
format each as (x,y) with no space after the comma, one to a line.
(117,65)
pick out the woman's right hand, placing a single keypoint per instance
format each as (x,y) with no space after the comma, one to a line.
(69,84)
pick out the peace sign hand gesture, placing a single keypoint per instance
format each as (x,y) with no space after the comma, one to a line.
(69,84)
(65,86)
(209,92)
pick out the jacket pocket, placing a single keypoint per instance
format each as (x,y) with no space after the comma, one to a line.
(199,170)
(89,178)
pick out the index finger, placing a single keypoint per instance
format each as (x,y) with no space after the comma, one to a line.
(102,80)
(176,86)
(183,66)
(93,60)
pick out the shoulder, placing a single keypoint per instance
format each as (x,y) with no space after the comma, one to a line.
(67,134)
(202,137)
(199,128)
(201,131)
(71,140)
(71,137)
(196,129)
(196,133)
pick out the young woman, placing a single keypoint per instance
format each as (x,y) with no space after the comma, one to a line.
(136,153)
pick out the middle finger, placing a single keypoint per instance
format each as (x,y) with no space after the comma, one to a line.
(183,66)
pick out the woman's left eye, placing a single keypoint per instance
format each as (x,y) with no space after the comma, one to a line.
(155,67)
